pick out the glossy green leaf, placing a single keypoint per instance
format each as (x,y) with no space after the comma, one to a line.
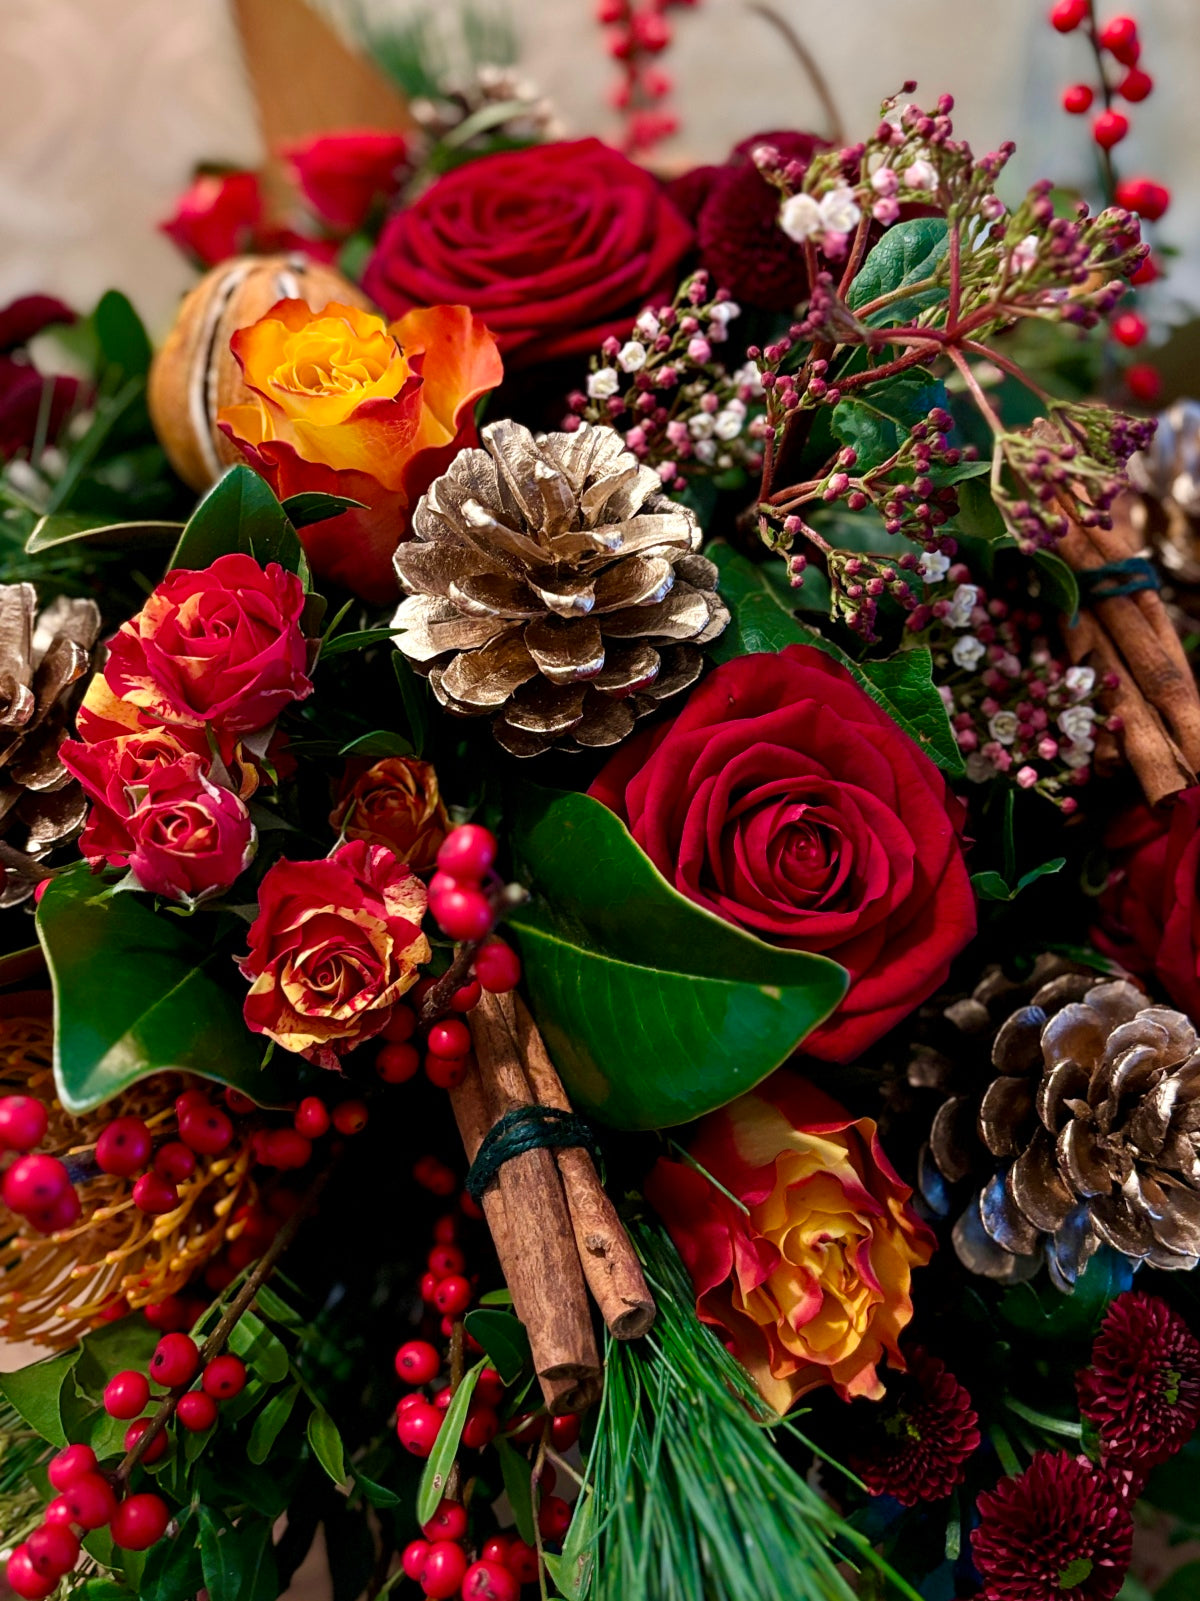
(654,1010)
(269,1422)
(261,1350)
(326,1442)
(445,1448)
(135,993)
(377,745)
(503,1337)
(20,967)
(1038,1309)
(415,694)
(123,341)
(1058,583)
(760,610)
(908,253)
(311,506)
(993,887)
(64,528)
(377,1494)
(518,1486)
(1183,1585)
(239,513)
(173,1570)
(876,421)
(358,639)
(35,1392)
(271,1304)
(572,1571)
(237,1564)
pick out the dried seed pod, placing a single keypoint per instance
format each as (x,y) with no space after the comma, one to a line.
(195,373)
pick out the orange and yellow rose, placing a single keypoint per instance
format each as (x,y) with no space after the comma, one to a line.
(812,1283)
(397,803)
(345,404)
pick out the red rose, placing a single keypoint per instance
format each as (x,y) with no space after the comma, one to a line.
(30,401)
(216,217)
(1149,916)
(115,773)
(342,174)
(222,646)
(191,839)
(786,801)
(554,247)
(335,945)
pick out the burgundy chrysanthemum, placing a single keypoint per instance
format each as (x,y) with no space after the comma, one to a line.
(735,213)
(1058,1532)
(915,1445)
(1142,1391)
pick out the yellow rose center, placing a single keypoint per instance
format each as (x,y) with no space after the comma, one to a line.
(327,359)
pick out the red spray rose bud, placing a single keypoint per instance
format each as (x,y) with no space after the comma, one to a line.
(191,838)
(217,216)
(341,175)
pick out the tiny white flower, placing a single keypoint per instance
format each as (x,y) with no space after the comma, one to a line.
(980,769)
(706,451)
(1080,681)
(840,212)
(702,425)
(748,377)
(1078,753)
(800,218)
(724,461)
(649,324)
(968,652)
(1024,257)
(962,604)
(728,423)
(726,310)
(920,175)
(632,356)
(603,383)
(933,567)
(1003,727)
(884,181)
(947,695)
(1076,723)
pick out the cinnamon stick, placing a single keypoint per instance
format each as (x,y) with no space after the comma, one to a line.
(610,1263)
(553,1300)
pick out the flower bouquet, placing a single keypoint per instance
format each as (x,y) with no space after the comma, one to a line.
(600,837)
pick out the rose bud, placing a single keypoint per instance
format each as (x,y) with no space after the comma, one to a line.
(395,802)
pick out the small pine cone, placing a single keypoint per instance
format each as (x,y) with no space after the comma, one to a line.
(43,661)
(553,585)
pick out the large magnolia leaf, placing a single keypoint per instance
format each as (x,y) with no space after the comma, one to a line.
(654,1010)
(137,992)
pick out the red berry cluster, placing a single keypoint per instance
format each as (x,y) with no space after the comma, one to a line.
(1116,42)
(638,33)
(37,1188)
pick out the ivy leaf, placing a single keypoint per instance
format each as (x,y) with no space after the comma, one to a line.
(35,1392)
(445,1449)
(326,1442)
(137,993)
(876,422)
(907,254)
(269,1422)
(239,513)
(503,1337)
(760,609)
(311,506)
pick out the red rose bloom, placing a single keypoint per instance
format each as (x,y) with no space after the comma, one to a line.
(216,217)
(335,945)
(191,838)
(222,646)
(30,400)
(786,801)
(1150,920)
(342,174)
(553,247)
(114,773)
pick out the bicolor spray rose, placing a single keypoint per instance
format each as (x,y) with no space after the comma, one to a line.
(190,838)
(397,803)
(221,647)
(811,1284)
(335,945)
(115,773)
(787,801)
(345,405)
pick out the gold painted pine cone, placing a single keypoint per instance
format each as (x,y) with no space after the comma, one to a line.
(195,373)
(1091,1124)
(552,584)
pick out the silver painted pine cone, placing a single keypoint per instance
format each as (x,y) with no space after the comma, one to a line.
(552,585)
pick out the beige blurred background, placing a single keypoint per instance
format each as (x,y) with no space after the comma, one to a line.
(106,105)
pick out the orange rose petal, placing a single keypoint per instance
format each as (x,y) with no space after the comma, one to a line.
(458,361)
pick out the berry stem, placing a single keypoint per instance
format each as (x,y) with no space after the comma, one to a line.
(1108,174)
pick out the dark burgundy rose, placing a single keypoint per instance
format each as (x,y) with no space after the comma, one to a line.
(30,400)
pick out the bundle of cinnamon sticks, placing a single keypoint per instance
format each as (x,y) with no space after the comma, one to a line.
(555,1230)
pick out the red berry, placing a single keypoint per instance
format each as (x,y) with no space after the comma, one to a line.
(23,1120)
(417,1428)
(1149,199)
(1144,382)
(139,1521)
(91,1501)
(489,1388)
(466,998)
(155,1195)
(238,1103)
(564,1431)
(449,1522)
(481,1427)
(190,1101)
(1147,273)
(1067,15)
(1078,98)
(440,884)
(450,1037)
(526,1428)
(285,1149)
(417,1362)
(168,1315)
(413,1560)
(443,1398)
(157,1446)
(1129,329)
(463,914)
(445,1072)
(35,1184)
(224,1377)
(24,1578)
(1109,128)
(400,1026)
(522,1562)
(70,1465)
(1136,85)
(489,1581)
(469,1206)
(197,1411)
(467,853)
(443,1570)
(175,1360)
(554,1517)
(396,1064)
(1119,36)
(496,1549)
(57,1511)
(53,1550)
(445,1260)
(428,1287)
(312,1117)
(126,1394)
(124,1147)
(547,1479)
(206,1129)
(452,1295)
(435,1176)
(413,1398)
(497,967)
(445,1230)
(350,1117)
(174,1162)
